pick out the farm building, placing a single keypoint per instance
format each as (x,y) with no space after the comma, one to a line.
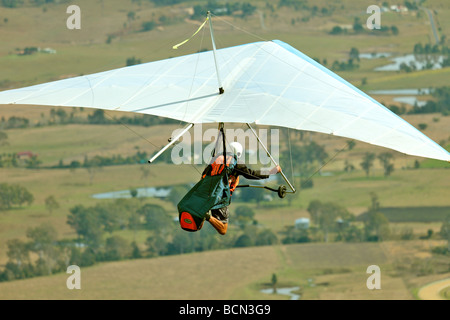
(25,155)
(302,223)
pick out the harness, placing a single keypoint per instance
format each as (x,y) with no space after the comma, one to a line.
(217,167)
(213,191)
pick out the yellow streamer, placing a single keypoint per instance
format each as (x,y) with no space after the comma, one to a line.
(200,28)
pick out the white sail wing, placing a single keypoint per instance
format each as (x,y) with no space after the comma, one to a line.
(266,83)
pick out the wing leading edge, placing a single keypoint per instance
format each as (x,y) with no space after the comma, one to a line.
(267,83)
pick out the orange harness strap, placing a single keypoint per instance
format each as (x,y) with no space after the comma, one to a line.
(217,166)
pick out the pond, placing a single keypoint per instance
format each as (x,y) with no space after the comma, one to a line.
(406,96)
(284,291)
(141,193)
(374,55)
(408,92)
(419,62)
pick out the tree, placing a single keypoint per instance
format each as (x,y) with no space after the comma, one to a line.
(135,252)
(351,144)
(251,194)
(394,30)
(348,167)
(177,193)
(18,251)
(376,224)
(182,242)
(18,265)
(266,238)
(295,235)
(11,3)
(325,214)
(62,115)
(134,221)
(51,204)
(14,195)
(117,248)
(354,54)
(3,138)
(92,167)
(157,244)
(374,202)
(148,26)
(423,126)
(336,30)
(274,281)
(33,161)
(351,233)
(247,9)
(385,160)
(87,225)
(112,216)
(43,240)
(133,192)
(445,231)
(306,155)
(97,117)
(131,15)
(367,162)
(243,241)
(357,26)
(244,215)
(133,61)
(156,217)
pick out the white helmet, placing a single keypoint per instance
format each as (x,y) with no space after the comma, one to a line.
(237,149)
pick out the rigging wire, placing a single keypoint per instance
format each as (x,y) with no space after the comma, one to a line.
(240,29)
(289,141)
(142,137)
(281,60)
(190,92)
(195,72)
(328,161)
(290,155)
(133,131)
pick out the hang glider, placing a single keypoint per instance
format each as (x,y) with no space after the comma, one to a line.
(265,83)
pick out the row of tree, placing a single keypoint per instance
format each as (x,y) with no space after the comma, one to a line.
(440,102)
(99,232)
(14,195)
(103,161)
(332,218)
(358,28)
(61,116)
(241,9)
(98,239)
(367,163)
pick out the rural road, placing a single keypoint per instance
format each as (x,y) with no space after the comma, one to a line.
(431,291)
(433,25)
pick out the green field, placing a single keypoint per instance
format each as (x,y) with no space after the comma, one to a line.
(415,199)
(322,271)
(86,51)
(416,214)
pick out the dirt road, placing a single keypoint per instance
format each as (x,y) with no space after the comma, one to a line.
(431,291)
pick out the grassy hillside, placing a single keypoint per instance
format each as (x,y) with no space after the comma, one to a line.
(88,50)
(333,271)
(107,39)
